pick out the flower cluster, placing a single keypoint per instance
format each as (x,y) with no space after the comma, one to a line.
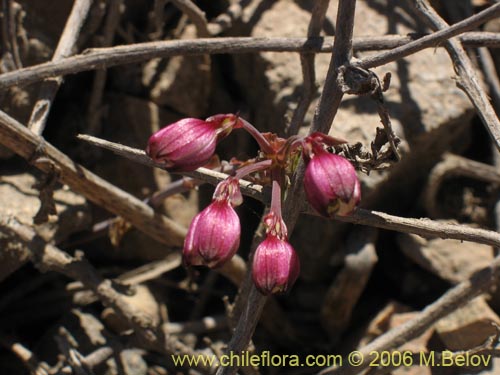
(330,183)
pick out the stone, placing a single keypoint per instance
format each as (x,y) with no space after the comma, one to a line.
(172,82)
(452,260)
(469,326)
(20,200)
(142,301)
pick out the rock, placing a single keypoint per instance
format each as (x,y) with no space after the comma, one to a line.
(172,82)
(143,301)
(391,316)
(19,199)
(469,326)
(132,361)
(452,260)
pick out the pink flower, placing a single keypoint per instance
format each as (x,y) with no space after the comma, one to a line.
(275,265)
(189,143)
(213,236)
(331,184)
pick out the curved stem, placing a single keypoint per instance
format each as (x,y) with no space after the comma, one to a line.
(251,168)
(257,135)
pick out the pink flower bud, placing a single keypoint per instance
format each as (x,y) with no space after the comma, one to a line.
(275,266)
(189,143)
(331,184)
(229,190)
(213,236)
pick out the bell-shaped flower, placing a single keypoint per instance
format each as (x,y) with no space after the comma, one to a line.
(331,184)
(275,265)
(213,236)
(189,143)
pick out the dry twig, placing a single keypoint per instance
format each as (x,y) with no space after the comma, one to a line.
(423,227)
(479,283)
(467,78)
(325,112)
(349,283)
(47,257)
(195,14)
(96,94)
(100,58)
(431,40)
(50,87)
(26,144)
(307,64)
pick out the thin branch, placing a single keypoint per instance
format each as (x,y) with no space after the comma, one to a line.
(46,157)
(28,145)
(342,52)
(329,101)
(101,58)
(207,175)
(344,292)
(27,357)
(195,14)
(94,112)
(307,64)
(455,166)
(490,73)
(136,276)
(431,40)
(467,78)
(64,48)
(423,227)
(454,298)
(47,257)
(225,20)
(9,36)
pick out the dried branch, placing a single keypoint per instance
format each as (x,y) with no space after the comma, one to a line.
(488,348)
(25,355)
(204,174)
(64,48)
(431,40)
(343,294)
(195,14)
(467,78)
(225,20)
(453,166)
(144,273)
(488,67)
(326,110)
(307,64)
(454,298)
(9,37)
(97,91)
(47,257)
(202,326)
(423,227)
(26,144)
(101,58)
